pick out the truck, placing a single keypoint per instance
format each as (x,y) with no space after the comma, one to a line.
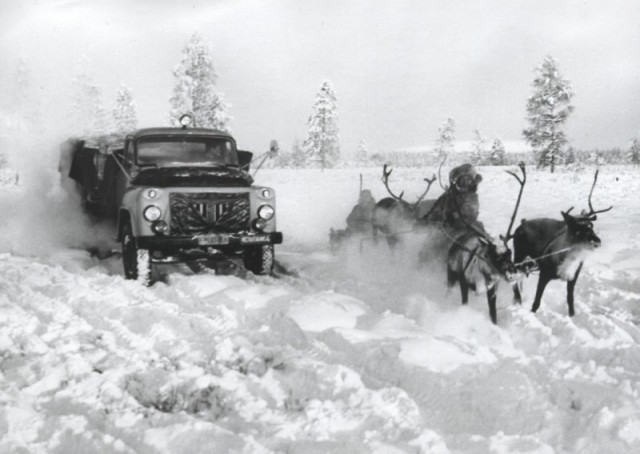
(175,194)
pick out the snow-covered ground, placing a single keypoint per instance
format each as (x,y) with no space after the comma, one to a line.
(354,352)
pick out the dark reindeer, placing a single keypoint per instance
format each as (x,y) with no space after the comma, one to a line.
(475,259)
(394,215)
(556,248)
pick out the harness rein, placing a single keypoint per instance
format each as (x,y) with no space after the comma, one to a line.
(440,227)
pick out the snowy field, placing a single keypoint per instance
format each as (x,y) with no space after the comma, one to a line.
(358,352)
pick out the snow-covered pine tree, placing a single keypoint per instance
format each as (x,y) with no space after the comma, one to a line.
(446,138)
(194,89)
(633,155)
(89,116)
(547,111)
(478,148)
(124,112)
(322,144)
(362,154)
(498,155)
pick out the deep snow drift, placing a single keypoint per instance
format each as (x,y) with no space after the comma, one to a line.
(354,352)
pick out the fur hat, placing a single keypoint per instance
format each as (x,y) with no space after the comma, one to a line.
(464,178)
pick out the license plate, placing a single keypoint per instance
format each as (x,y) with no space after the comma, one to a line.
(212,240)
(255,239)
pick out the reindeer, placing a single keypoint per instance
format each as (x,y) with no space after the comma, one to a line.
(557,248)
(394,215)
(476,260)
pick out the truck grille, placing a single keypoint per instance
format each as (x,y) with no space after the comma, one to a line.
(211,212)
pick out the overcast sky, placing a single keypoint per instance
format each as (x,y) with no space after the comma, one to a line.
(399,68)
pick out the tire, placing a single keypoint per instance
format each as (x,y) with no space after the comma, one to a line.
(137,262)
(259,259)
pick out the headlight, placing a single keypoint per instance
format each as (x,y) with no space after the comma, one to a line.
(152,213)
(159,227)
(151,193)
(266,212)
(266,193)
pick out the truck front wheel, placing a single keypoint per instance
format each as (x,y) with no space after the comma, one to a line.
(259,259)
(137,262)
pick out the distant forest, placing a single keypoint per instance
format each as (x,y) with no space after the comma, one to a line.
(571,159)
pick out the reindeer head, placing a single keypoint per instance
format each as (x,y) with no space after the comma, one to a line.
(499,256)
(581,230)
(581,227)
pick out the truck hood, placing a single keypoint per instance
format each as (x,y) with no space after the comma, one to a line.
(193,176)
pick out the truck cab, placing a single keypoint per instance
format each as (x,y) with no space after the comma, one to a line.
(179,194)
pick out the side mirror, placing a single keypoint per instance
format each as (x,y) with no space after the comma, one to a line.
(273,152)
(273,148)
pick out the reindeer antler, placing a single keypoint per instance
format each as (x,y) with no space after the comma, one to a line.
(385,180)
(591,215)
(522,182)
(429,181)
(443,187)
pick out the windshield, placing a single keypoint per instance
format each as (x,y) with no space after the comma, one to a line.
(186,151)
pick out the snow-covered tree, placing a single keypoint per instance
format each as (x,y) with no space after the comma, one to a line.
(124,111)
(570,156)
(88,113)
(362,154)
(595,158)
(633,155)
(498,155)
(194,89)
(445,141)
(547,111)
(322,145)
(479,147)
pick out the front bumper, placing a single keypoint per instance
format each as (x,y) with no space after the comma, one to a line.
(215,240)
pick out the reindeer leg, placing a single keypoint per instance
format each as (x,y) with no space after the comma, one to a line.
(543,280)
(517,292)
(570,286)
(491,299)
(464,290)
(452,278)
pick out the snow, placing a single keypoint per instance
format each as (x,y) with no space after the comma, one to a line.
(321,311)
(360,351)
